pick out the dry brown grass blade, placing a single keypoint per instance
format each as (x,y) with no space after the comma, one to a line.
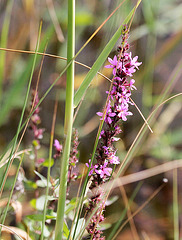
(50,55)
(17,206)
(129,214)
(52,12)
(5,159)
(142,116)
(18,210)
(15,231)
(140,208)
(142,128)
(138,176)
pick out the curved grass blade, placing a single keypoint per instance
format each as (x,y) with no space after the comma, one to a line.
(100,60)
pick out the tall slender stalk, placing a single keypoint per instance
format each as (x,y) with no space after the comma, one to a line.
(68,121)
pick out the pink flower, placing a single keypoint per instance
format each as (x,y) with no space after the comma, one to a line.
(114,64)
(132,81)
(57,145)
(123,112)
(38,133)
(129,70)
(134,62)
(114,160)
(103,170)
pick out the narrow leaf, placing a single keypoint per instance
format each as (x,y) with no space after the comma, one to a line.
(100,61)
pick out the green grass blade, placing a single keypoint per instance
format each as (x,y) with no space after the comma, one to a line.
(3,42)
(100,60)
(68,121)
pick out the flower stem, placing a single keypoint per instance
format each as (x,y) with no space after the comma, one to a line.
(68,121)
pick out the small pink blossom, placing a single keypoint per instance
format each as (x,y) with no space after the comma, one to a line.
(103,170)
(114,64)
(132,81)
(135,63)
(57,145)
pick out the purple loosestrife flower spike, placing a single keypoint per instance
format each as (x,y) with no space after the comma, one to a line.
(34,126)
(117,109)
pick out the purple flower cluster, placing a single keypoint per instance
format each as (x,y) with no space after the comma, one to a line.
(35,119)
(117,109)
(34,126)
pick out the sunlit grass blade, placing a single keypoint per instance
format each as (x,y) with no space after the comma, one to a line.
(3,42)
(22,114)
(100,60)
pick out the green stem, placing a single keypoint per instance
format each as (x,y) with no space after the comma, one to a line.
(68,121)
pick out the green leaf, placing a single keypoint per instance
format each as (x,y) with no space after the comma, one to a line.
(33,203)
(43,181)
(70,206)
(65,230)
(31,184)
(99,62)
(38,203)
(46,163)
